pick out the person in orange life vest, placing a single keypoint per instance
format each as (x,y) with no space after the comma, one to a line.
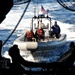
(39,34)
(29,35)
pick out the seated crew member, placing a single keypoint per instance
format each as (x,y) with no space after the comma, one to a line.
(39,34)
(56,30)
(29,35)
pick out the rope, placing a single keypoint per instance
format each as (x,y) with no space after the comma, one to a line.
(64,4)
(21,2)
(17,24)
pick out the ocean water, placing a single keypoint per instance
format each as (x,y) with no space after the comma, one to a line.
(66,21)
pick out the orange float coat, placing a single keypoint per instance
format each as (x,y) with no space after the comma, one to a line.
(29,35)
(40,32)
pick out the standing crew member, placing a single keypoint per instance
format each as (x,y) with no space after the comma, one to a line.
(41,24)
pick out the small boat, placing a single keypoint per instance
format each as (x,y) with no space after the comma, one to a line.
(48,43)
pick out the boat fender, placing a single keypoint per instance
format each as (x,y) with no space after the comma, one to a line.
(31,45)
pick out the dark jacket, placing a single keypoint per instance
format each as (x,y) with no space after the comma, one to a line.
(56,29)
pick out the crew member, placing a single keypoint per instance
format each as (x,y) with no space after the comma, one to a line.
(41,24)
(29,35)
(56,30)
(39,34)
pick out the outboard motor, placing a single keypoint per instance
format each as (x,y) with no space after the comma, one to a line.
(5,6)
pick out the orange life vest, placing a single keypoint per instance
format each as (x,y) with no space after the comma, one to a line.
(29,34)
(40,32)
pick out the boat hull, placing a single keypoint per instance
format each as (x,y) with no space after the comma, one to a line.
(42,45)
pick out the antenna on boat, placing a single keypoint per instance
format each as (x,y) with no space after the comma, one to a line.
(34,11)
(37,8)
